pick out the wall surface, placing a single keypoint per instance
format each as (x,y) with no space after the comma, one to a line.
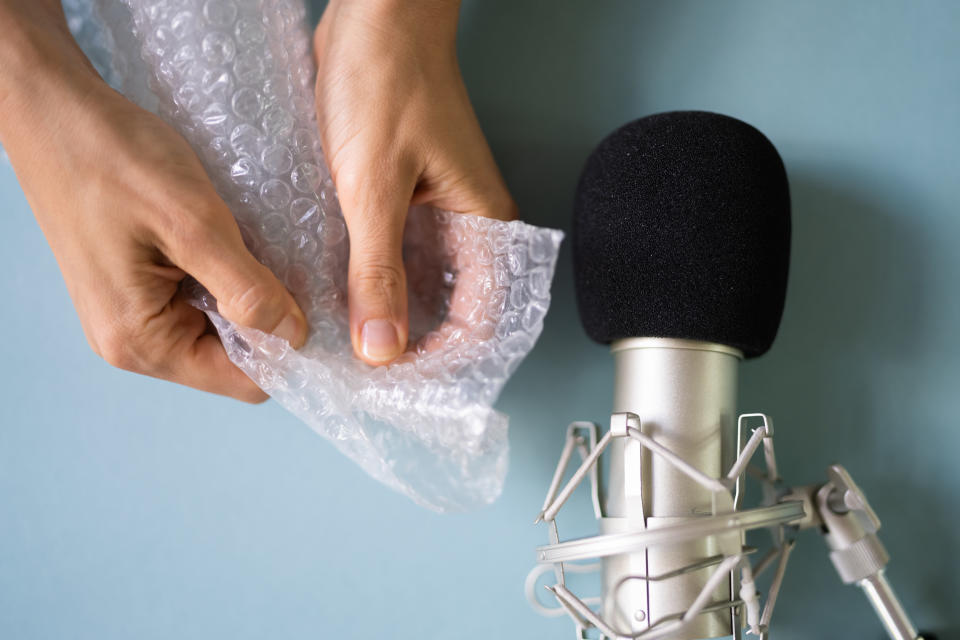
(131,508)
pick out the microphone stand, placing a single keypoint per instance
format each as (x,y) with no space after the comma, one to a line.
(838,508)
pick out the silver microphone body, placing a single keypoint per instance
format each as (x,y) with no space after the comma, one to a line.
(685,393)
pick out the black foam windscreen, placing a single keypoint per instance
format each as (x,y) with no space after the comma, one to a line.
(682,230)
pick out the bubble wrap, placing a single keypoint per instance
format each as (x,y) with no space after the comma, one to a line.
(235,77)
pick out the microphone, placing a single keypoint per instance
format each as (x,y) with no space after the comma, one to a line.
(681,248)
(681,244)
(681,230)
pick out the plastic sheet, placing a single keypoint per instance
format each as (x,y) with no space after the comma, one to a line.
(235,77)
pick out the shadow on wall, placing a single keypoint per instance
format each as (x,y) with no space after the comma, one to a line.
(837,385)
(855,303)
(543,106)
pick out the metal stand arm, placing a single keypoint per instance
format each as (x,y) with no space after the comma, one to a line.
(850,527)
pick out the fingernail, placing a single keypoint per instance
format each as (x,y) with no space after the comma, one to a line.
(290,329)
(379,340)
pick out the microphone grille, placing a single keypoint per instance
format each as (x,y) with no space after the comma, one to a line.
(682,230)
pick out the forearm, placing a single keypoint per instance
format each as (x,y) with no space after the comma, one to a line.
(434,9)
(43,73)
(432,22)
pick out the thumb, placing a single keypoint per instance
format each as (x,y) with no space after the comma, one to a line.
(375,212)
(247,292)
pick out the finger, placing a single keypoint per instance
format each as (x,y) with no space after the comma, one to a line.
(208,246)
(175,345)
(198,359)
(207,367)
(375,210)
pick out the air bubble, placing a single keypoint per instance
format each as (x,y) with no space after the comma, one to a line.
(336,232)
(217,83)
(216,118)
(218,48)
(278,88)
(250,68)
(302,141)
(277,159)
(278,122)
(274,227)
(247,103)
(189,98)
(249,32)
(243,172)
(246,140)
(298,278)
(218,151)
(184,58)
(275,194)
(162,41)
(183,24)
(220,13)
(306,177)
(305,212)
(305,245)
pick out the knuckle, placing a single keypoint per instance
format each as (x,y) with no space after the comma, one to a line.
(136,347)
(257,306)
(349,180)
(116,347)
(373,179)
(379,279)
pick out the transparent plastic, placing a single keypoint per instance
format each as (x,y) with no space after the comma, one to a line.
(235,78)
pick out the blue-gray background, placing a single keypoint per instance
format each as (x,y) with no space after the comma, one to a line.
(131,508)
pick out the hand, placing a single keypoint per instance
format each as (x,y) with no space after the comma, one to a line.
(129,212)
(397,129)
